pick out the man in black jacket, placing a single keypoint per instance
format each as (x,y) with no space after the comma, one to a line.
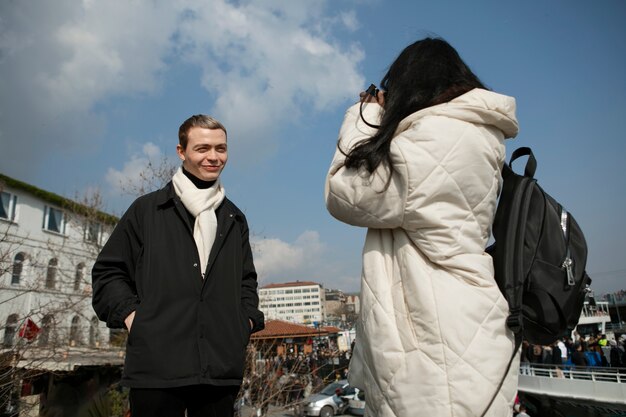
(177,272)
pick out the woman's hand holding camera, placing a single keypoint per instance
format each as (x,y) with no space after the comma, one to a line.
(373,95)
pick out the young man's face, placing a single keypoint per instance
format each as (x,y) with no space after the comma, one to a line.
(206,153)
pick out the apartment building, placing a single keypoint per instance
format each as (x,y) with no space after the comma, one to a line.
(335,302)
(298,302)
(48,245)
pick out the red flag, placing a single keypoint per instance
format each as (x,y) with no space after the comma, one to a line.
(29,330)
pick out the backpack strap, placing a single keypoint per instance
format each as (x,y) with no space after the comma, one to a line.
(514,321)
(531,164)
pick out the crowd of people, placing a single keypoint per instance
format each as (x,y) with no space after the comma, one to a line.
(574,352)
(578,351)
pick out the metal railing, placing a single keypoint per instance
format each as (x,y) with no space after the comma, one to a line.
(593,385)
(600,374)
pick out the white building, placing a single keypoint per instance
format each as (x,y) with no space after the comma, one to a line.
(298,302)
(48,245)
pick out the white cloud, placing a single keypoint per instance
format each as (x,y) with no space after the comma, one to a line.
(109,53)
(263,59)
(141,173)
(350,20)
(275,259)
(305,259)
(260,61)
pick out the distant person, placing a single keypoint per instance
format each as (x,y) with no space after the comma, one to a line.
(556,358)
(177,272)
(522,411)
(593,357)
(563,349)
(423,176)
(338,397)
(578,355)
(614,355)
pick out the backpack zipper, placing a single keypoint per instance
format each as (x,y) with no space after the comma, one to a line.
(568,263)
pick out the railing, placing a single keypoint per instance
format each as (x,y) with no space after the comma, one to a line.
(600,308)
(594,384)
(617,375)
(616,327)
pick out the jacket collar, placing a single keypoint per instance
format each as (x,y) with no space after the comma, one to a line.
(226,215)
(166,194)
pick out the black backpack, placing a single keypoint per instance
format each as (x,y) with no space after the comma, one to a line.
(539,257)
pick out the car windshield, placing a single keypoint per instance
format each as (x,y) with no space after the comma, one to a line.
(330,388)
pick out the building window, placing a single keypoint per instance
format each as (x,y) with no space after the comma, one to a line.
(10,330)
(47,327)
(51,273)
(75,336)
(8,203)
(94,332)
(54,220)
(93,231)
(18,265)
(79,276)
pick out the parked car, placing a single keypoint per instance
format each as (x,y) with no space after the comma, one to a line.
(356,406)
(324,403)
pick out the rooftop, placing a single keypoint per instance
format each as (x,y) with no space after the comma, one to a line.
(278,328)
(65,203)
(290,284)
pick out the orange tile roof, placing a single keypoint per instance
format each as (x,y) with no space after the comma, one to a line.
(278,328)
(290,284)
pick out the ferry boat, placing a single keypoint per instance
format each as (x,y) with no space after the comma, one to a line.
(569,391)
(594,319)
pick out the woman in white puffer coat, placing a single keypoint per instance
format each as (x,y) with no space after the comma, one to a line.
(431,337)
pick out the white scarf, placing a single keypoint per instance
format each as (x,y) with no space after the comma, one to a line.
(201,203)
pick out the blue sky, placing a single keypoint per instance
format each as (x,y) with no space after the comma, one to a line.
(91,90)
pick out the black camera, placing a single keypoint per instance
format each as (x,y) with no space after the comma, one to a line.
(372,90)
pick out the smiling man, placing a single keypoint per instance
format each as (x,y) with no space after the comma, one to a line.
(177,272)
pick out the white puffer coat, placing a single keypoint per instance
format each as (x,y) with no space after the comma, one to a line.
(431,338)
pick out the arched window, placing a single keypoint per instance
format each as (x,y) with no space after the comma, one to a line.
(94,332)
(75,336)
(10,330)
(47,330)
(51,274)
(80,275)
(18,264)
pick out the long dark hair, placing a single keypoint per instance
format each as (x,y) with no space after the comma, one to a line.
(426,73)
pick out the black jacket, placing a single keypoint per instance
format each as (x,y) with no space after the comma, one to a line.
(186,330)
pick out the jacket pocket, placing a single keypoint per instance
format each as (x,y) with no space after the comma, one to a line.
(134,327)
(246,329)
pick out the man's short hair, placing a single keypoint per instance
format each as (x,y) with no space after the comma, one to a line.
(198,120)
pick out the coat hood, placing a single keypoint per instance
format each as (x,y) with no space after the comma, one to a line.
(476,106)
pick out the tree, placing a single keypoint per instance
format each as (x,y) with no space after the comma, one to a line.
(45,285)
(45,311)
(152,177)
(284,380)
